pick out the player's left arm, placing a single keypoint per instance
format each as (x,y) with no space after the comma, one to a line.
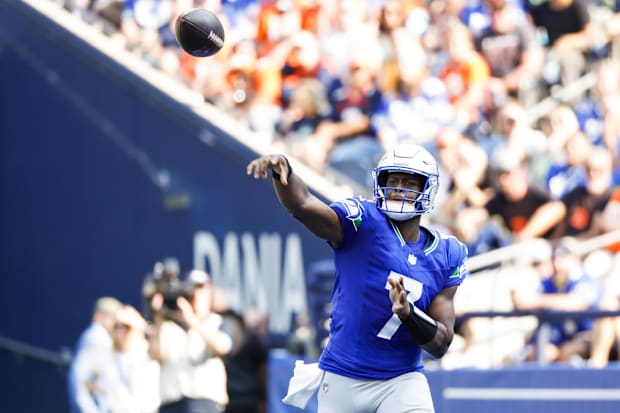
(441,310)
(432,330)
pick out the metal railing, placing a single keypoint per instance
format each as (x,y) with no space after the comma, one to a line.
(545,318)
(19,349)
(524,252)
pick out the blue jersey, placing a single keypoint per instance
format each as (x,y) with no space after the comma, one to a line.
(367,340)
(588,289)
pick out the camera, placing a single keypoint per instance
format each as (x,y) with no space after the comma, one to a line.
(165,280)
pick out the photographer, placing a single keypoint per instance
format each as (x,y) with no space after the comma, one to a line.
(188,343)
(164,281)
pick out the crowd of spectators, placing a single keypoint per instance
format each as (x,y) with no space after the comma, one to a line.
(335,82)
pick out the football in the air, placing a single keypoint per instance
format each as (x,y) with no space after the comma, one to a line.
(199,32)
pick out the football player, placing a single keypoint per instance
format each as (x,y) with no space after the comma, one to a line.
(394,284)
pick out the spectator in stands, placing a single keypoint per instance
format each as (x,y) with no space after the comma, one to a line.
(513,53)
(510,129)
(612,30)
(418,106)
(440,16)
(584,202)
(189,345)
(243,88)
(148,27)
(298,58)
(608,98)
(466,75)
(524,209)
(346,140)
(307,108)
(111,11)
(568,288)
(559,125)
(277,20)
(391,19)
(464,166)
(606,331)
(609,219)
(567,169)
(126,379)
(568,36)
(103,13)
(597,111)
(349,24)
(93,344)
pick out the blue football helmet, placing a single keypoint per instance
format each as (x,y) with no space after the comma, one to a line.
(410,159)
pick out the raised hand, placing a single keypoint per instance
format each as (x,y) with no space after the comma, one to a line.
(398,296)
(277,163)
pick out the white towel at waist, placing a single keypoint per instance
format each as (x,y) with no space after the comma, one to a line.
(304,383)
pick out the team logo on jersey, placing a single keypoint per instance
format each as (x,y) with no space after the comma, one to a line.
(354,212)
(459,272)
(325,387)
(412,259)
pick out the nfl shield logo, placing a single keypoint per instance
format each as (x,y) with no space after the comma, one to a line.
(412,259)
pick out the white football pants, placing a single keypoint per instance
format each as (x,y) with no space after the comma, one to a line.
(409,393)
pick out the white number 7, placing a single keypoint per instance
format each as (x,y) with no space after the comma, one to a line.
(414,289)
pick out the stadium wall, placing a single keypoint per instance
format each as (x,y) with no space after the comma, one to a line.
(101,175)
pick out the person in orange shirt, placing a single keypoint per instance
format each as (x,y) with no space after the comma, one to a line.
(525,210)
(608,219)
(277,20)
(583,203)
(465,75)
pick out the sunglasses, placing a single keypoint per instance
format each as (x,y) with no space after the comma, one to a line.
(121,326)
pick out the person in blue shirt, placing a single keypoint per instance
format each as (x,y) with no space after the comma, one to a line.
(568,288)
(394,287)
(94,344)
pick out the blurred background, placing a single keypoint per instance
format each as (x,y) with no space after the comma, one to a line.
(122,155)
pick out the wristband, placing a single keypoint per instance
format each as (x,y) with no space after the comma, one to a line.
(276,175)
(421,327)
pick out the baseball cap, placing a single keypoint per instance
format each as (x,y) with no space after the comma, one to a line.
(107,305)
(198,277)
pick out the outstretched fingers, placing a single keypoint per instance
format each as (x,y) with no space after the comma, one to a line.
(257,168)
(398,295)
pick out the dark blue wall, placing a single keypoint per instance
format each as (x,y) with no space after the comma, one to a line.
(101,175)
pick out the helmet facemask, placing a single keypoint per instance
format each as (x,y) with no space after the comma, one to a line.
(413,160)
